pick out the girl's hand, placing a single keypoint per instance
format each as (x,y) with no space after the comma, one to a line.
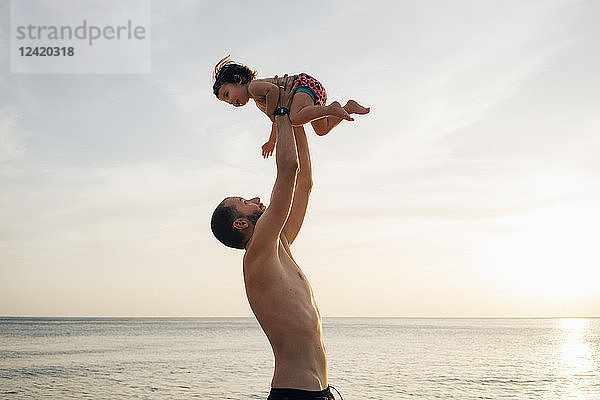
(267,149)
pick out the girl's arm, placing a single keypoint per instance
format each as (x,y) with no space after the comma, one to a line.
(269,146)
(268,91)
(273,135)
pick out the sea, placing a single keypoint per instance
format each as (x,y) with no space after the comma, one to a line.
(229,358)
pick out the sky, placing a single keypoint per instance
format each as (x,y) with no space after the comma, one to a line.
(472,189)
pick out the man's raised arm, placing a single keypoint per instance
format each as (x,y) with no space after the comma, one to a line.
(270,224)
(302,189)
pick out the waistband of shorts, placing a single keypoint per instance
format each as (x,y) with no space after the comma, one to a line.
(308,394)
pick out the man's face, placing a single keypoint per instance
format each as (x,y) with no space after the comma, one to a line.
(251,209)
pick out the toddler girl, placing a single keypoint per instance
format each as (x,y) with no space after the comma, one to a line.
(236,84)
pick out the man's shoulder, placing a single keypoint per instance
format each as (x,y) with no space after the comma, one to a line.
(259,249)
(261,264)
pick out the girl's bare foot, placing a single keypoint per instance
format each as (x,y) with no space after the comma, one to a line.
(352,107)
(337,110)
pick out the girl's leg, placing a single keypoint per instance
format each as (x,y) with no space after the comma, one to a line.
(324,125)
(304,111)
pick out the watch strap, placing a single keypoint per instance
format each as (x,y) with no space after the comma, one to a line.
(281,111)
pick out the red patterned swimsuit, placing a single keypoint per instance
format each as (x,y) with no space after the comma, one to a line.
(312,87)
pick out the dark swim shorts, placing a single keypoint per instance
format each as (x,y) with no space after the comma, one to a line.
(296,394)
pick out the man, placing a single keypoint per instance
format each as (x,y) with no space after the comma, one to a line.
(277,289)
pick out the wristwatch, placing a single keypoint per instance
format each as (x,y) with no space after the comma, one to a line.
(281,111)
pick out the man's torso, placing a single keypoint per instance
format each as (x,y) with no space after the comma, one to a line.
(284,305)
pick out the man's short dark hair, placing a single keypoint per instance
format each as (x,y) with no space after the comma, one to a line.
(221,225)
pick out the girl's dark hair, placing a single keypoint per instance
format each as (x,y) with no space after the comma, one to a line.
(227,71)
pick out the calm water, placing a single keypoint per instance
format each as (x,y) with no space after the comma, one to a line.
(210,358)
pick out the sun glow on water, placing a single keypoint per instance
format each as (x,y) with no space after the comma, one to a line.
(576,360)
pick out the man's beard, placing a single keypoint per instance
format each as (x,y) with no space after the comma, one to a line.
(254,217)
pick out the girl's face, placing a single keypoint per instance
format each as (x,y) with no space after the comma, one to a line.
(234,94)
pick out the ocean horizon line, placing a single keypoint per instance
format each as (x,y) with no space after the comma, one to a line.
(51,317)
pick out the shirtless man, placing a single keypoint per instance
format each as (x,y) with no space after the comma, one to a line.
(277,289)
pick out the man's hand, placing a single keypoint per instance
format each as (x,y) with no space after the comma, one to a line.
(287,89)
